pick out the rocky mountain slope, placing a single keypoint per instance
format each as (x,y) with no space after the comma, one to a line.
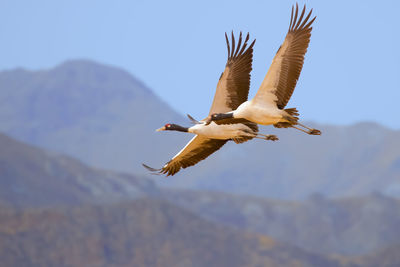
(137,233)
(55,211)
(32,177)
(347,226)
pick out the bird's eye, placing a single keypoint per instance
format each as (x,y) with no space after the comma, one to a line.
(215,115)
(167,125)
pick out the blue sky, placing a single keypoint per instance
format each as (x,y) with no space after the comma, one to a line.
(177,48)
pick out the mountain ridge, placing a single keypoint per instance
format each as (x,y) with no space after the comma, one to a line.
(32,177)
(142,232)
(55,211)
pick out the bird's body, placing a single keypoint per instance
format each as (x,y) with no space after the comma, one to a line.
(238,132)
(234,131)
(267,106)
(256,112)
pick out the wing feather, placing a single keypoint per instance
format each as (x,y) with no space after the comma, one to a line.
(234,83)
(198,149)
(281,79)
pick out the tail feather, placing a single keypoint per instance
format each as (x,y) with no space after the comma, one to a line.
(292,117)
(293,112)
(242,139)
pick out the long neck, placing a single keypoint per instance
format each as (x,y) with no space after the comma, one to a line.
(228,115)
(179,128)
(244,111)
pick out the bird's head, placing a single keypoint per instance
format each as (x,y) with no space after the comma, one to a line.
(215,116)
(172,127)
(166,127)
(220,116)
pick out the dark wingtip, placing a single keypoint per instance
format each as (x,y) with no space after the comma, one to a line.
(228,46)
(233,44)
(193,120)
(150,168)
(252,43)
(298,22)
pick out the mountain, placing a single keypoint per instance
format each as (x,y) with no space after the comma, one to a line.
(143,232)
(346,226)
(55,211)
(32,177)
(106,118)
(96,113)
(387,257)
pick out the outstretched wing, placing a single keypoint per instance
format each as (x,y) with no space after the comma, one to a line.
(197,149)
(282,76)
(234,83)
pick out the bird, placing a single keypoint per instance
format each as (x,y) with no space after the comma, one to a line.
(268,105)
(232,89)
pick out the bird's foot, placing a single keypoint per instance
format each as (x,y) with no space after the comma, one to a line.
(271,137)
(314,132)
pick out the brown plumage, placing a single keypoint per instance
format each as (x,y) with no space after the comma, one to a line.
(199,148)
(282,76)
(295,47)
(234,83)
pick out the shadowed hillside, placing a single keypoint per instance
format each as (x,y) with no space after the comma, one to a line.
(30,176)
(346,226)
(55,211)
(139,233)
(388,257)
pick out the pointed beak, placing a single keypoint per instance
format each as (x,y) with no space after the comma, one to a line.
(161,129)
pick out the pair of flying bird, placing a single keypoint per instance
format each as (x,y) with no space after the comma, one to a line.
(231,116)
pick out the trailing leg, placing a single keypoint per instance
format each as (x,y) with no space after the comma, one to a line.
(292,119)
(271,137)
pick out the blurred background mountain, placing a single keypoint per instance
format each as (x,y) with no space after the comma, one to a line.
(73,191)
